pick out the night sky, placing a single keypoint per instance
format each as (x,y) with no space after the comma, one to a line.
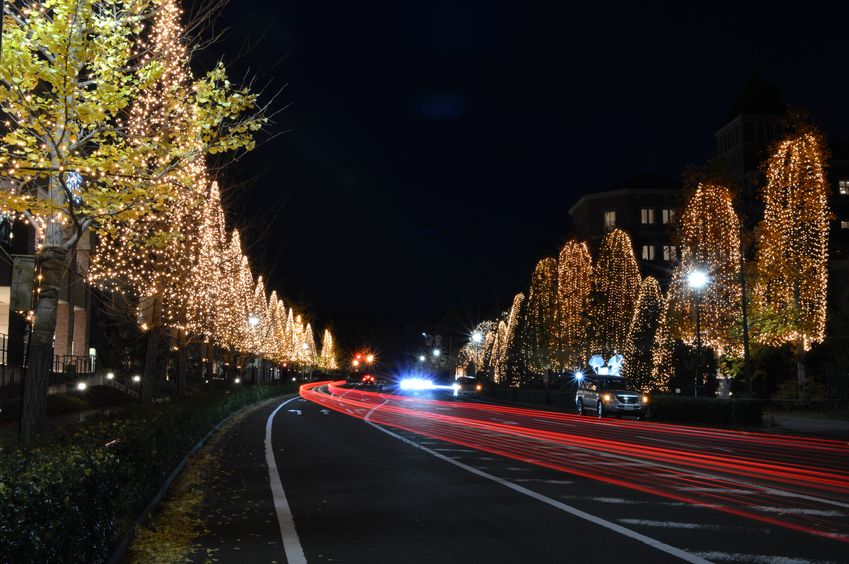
(427,153)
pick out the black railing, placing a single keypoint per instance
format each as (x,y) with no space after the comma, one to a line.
(69,364)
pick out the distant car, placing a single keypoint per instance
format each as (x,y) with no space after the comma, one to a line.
(609,395)
(371,381)
(467,387)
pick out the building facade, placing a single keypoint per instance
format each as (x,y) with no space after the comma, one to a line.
(643,206)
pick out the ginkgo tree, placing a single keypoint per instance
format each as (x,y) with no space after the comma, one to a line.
(71,75)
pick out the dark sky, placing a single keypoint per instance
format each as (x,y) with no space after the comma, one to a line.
(429,151)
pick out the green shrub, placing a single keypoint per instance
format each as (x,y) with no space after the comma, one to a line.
(70,499)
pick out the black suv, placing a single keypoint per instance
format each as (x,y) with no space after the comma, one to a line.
(609,395)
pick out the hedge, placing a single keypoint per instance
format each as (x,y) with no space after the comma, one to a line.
(661,408)
(69,500)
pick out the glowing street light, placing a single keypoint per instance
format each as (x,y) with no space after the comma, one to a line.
(421,358)
(698,279)
(356,363)
(110,376)
(136,378)
(81,386)
(436,352)
(370,358)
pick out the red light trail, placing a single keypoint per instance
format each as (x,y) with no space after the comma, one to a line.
(798,483)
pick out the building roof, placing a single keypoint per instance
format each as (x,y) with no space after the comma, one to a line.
(759,98)
(645,182)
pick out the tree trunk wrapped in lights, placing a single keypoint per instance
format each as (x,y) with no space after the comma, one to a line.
(792,244)
(638,363)
(662,352)
(498,349)
(510,357)
(616,283)
(709,240)
(574,282)
(539,332)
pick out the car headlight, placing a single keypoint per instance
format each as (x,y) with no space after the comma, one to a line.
(478,388)
(645,399)
(607,397)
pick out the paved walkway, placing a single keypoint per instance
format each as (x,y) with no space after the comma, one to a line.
(831,428)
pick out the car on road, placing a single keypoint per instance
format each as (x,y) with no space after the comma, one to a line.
(609,395)
(465,386)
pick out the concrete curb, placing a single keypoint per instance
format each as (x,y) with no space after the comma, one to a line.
(127,537)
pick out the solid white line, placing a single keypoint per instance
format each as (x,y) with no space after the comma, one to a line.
(654,543)
(291,542)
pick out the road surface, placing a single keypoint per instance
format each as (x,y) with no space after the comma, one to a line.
(357,476)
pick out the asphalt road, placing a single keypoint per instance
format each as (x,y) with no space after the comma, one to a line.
(370,477)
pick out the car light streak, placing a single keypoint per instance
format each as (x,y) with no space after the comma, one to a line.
(758,478)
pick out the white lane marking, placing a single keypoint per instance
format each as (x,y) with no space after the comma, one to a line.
(295,411)
(623,501)
(291,542)
(760,558)
(574,511)
(718,490)
(454,450)
(680,444)
(797,511)
(670,524)
(325,412)
(543,480)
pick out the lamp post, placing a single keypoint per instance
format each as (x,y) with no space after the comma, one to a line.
(697,279)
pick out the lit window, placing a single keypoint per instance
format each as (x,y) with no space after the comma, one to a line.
(843,186)
(844,225)
(647,215)
(648,252)
(609,220)
(669,253)
(668,214)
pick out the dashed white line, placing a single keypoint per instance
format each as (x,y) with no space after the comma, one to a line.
(639,537)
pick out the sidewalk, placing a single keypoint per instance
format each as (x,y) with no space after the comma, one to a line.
(827,428)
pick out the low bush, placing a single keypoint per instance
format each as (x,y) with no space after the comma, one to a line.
(70,499)
(72,402)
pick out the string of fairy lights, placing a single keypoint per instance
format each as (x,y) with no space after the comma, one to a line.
(578,306)
(182,257)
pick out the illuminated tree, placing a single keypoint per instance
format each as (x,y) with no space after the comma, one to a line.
(72,72)
(574,282)
(510,357)
(328,352)
(709,240)
(638,362)
(539,332)
(792,244)
(616,282)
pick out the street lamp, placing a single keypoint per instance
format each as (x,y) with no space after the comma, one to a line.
(421,358)
(436,352)
(697,279)
(370,358)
